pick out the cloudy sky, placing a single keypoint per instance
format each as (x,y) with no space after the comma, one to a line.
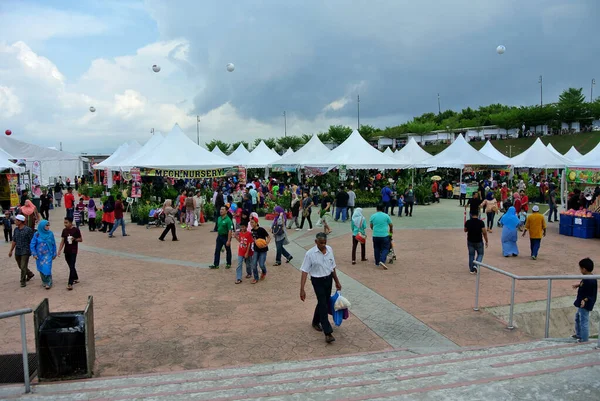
(310,58)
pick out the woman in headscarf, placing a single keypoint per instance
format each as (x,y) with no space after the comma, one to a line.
(91,207)
(510,224)
(108,214)
(31,214)
(170,213)
(278,230)
(358,225)
(517,202)
(43,250)
(491,208)
(295,209)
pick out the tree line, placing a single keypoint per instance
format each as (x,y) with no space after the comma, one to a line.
(570,107)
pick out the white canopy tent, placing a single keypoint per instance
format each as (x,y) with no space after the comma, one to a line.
(312,153)
(553,150)
(152,145)
(54,163)
(411,154)
(217,151)
(239,155)
(288,152)
(5,162)
(573,154)
(388,151)
(262,156)
(460,154)
(489,150)
(115,161)
(179,152)
(539,156)
(590,159)
(357,154)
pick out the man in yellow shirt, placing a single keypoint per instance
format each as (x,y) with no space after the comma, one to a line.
(536,225)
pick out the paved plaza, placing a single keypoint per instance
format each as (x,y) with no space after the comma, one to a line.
(159,308)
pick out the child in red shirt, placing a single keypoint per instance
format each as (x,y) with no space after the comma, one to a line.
(244,237)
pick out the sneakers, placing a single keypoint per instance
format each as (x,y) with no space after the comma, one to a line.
(383,266)
(248,275)
(263,276)
(534,257)
(213,266)
(329,338)
(228,266)
(254,281)
(289,260)
(575,336)
(317,327)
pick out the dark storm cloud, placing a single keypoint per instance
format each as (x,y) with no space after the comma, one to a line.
(302,56)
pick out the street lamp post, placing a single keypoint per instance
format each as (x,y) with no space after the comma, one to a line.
(358,111)
(592,90)
(439,105)
(284,124)
(541,81)
(198,129)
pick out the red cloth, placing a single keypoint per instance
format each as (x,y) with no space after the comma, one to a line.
(245,241)
(118,210)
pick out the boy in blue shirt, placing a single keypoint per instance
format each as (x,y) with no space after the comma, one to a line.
(587,291)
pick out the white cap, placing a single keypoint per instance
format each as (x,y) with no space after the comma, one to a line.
(20,217)
(536,208)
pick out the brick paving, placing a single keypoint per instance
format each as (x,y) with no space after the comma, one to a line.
(154,316)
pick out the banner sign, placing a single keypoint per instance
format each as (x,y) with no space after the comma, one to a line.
(191,174)
(284,169)
(473,168)
(315,171)
(13,184)
(136,183)
(343,173)
(583,175)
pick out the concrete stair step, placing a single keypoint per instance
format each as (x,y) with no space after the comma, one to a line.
(368,376)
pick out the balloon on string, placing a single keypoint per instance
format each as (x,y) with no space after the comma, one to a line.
(230,67)
(500,49)
(8,132)
(92,109)
(233,207)
(156,68)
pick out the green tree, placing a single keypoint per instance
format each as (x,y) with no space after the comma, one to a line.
(593,109)
(306,137)
(324,137)
(270,142)
(368,131)
(294,142)
(216,143)
(421,128)
(339,133)
(571,105)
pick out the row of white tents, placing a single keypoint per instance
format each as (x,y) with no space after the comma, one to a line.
(176,151)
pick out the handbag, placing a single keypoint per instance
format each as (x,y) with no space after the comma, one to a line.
(361,238)
(304,212)
(278,229)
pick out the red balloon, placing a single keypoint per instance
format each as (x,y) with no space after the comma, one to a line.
(8,132)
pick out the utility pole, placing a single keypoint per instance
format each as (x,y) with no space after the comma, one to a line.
(541,82)
(358,110)
(198,129)
(284,124)
(61,146)
(592,90)
(439,106)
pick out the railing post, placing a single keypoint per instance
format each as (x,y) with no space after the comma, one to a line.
(548,301)
(25,355)
(512,304)
(476,308)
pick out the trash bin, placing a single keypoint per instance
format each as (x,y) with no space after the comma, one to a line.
(64,342)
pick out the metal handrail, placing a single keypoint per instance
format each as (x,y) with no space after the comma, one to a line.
(514,278)
(21,313)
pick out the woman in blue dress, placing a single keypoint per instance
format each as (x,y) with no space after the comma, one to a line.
(510,225)
(43,250)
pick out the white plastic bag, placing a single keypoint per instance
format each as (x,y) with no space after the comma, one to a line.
(195,222)
(341,303)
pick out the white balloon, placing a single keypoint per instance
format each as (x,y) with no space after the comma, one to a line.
(230,67)
(92,109)
(500,49)
(156,68)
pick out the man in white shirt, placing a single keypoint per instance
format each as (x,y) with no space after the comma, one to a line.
(351,202)
(462,200)
(319,262)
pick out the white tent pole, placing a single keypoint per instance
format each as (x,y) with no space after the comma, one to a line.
(563,187)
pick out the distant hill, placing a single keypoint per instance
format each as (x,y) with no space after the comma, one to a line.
(583,142)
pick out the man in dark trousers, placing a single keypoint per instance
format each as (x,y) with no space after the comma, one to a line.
(319,262)
(20,246)
(341,205)
(45,200)
(476,232)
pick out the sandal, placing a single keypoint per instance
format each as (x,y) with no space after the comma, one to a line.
(238,281)
(248,275)
(70,287)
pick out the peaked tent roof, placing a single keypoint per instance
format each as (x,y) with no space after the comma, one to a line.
(411,154)
(261,156)
(460,154)
(179,152)
(5,163)
(489,150)
(150,146)
(312,152)
(356,154)
(539,156)
(573,154)
(590,159)
(553,150)
(217,151)
(388,151)
(288,152)
(23,150)
(240,154)
(123,152)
